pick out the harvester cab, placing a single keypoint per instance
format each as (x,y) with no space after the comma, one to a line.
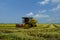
(29,21)
(26,20)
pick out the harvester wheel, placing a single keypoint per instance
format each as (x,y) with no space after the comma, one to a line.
(26,25)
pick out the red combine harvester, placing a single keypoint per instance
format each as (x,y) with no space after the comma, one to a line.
(27,22)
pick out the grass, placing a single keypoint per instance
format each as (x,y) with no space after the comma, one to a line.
(41,32)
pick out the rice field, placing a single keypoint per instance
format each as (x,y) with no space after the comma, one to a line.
(41,32)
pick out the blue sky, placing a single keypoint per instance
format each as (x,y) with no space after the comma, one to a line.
(45,11)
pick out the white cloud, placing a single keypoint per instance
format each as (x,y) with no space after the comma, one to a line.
(41,16)
(57,8)
(29,14)
(44,2)
(47,1)
(43,11)
(37,15)
(55,1)
(53,20)
(50,19)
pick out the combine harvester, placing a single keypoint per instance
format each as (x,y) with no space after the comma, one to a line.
(28,22)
